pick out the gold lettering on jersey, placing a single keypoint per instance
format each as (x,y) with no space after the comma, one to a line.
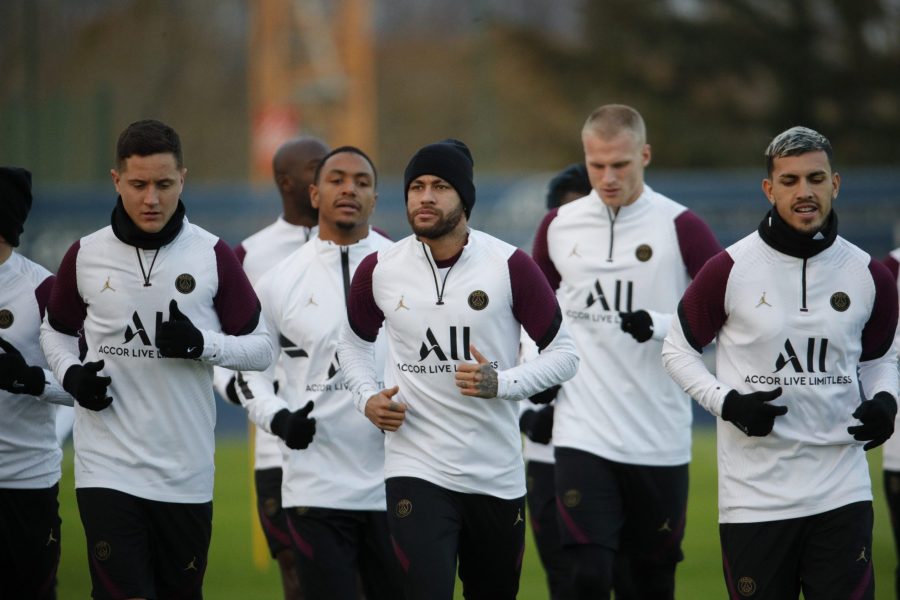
(6,318)
(400,305)
(102,550)
(185,283)
(840,301)
(403,508)
(746,586)
(572,498)
(643,252)
(478,300)
(762,301)
(107,286)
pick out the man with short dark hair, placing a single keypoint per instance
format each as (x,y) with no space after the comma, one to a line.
(29,397)
(333,489)
(294,167)
(159,301)
(452,301)
(806,382)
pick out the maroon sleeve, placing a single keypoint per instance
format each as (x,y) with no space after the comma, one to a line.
(240,252)
(235,301)
(534,303)
(878,334)
(696,241)
(42,293)
(381,232)
(702,308)
(893,266)
(65,308)
(541,252)
(364,315)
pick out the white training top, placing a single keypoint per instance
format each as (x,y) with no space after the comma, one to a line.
(891,453)
(304,300)
(28,447)
(257,254)
(432,312)
(622,405)
(155,440)
(817,327)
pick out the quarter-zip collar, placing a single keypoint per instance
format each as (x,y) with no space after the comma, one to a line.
(627,211)
(785,239)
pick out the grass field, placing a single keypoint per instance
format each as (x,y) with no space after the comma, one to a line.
(231,575)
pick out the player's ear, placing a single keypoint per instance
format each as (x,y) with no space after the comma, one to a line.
(767,190)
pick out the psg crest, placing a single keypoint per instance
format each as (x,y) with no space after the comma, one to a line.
(643,252)
(478,300)
(6,318)
(185,283)
(840,301)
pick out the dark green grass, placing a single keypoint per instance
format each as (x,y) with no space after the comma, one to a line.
(231,574)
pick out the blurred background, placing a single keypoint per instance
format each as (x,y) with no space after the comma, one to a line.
(515,79)
(714,79)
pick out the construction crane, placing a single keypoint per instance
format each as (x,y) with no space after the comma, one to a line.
(311,69)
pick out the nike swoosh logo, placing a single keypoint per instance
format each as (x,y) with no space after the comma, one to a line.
(191,349)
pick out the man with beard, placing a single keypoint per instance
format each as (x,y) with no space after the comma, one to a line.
(804,318)
(294,167)
(452,301)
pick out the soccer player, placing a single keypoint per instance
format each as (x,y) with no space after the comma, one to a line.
(29,396)
(452,301)
(536,422)
(621,257)
(806,382)
(160,301)
(891,454)
(333,487)
(294,167)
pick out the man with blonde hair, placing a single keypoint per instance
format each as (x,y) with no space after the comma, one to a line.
(620,258)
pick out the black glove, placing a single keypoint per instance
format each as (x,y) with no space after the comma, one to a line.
(15,374)
(877,418)
(638,323)
(231,394)
(177,337)
(752,413)
(295,428)
(537,424)
(545,397)
(89,389)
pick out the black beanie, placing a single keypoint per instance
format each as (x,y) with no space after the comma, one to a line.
(573,178)
(15,202)
(451,161)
